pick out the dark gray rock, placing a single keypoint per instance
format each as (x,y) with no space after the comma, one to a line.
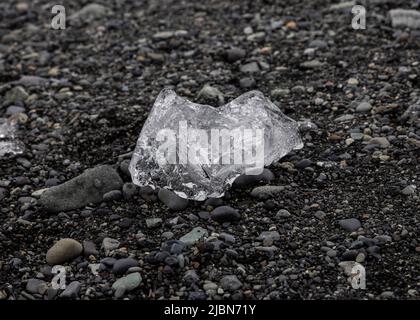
(266,192)
(230,283)
(225,214)
(234,54)
(351,224)
(172,200)
(244,181)
(72,290)
(35,286)
(89,187)
(89,248)
(122,265)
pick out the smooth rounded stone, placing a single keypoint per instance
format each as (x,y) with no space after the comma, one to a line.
(234,54)
(266,192)
(72,290)
(332,253)
(244,181)
(89,249)
(112,195)
(109,262)
(129,190)
(312,64)
(304,163)
(172,200)
(148,193)
(228,238)
(360,257)
(14,110)
(109,244)
(250,67)
(320,215)
(283,213)
(127,283)
(230,283)
(380,142)
(350,225)
(225,214)
(204,215)
(194,235)
(167,235)
(247,82)
(63,250)
(122,265)
(153,222)
(349,255)
(214,202)
(36,286)
(89,187)
(364,107)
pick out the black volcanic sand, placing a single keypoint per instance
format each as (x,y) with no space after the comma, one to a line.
(95,83)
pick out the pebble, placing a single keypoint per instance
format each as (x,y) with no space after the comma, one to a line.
(36,286)
(266,192)
(251,67)
(153,222)
(247,82)
(172,200)
(72,290)
(364,107)
(350,225)
(230,283)
(225,214)
(122,265)
(312,64)
(234,54)
(244,181)
(127,283)
(283,213)
(89,249)
(194,235)
(129,190)
(380,142)
(15,95)
(63,250)
(89,187)
(109,244)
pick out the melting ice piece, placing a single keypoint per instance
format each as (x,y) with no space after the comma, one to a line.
(8,144)
(198,150)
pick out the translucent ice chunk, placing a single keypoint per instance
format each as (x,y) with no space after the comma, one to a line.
(198,150)
(8,144)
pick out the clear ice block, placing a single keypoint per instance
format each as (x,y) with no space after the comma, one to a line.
(198,150)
